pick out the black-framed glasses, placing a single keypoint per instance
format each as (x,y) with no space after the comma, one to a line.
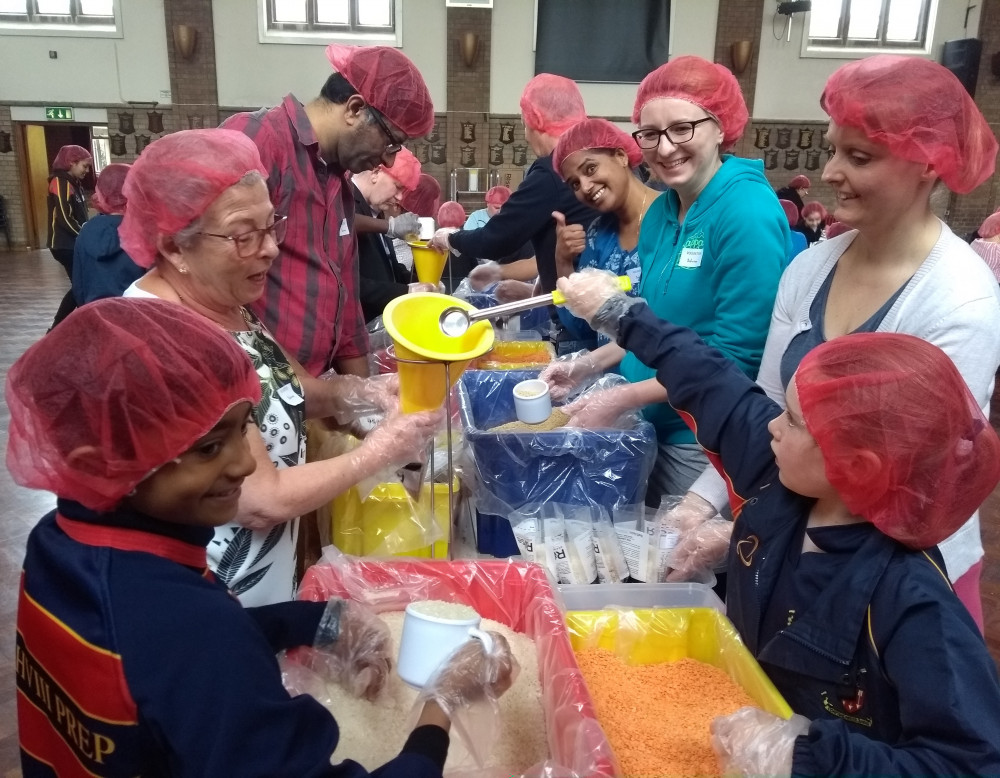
(248,244)
(393,146)
(678,133)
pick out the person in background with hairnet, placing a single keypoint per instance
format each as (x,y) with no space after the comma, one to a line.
(812,222)
(835,582)
(376,192)
(495,198)
(550,105)
(373,102)
(797,188)
(987,245)
(451,214)
(597,160)
(209,234)
(100,267)
(898,125)
(133,658)
(799,242)
(712,249)
(67,208)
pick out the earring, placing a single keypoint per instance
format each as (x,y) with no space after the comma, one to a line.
(182,270)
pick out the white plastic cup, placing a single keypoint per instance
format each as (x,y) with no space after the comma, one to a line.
(532,402)
(427,227)
(427,641)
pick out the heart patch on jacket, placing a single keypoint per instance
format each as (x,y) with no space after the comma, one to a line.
(746,548)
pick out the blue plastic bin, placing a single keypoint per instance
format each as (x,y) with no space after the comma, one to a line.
(569,466)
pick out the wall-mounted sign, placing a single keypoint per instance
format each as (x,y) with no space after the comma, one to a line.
(58,113)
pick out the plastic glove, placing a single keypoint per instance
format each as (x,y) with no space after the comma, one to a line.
(420,286)
(357,397)
(404,226)
(442,239)
(599,410)
(753,742)
(352,647)
(466,687)
(594,295)
(482,276)
(564,374)
(510,291)
(401,438)
(700,550)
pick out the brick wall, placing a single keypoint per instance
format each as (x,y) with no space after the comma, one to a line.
(740,20)
(193,86)
(966,212)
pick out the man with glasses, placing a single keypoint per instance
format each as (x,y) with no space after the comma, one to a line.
(373,102)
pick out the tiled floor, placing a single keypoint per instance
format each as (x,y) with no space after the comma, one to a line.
(31,286)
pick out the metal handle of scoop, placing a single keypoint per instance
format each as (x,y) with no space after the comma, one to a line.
(456,321)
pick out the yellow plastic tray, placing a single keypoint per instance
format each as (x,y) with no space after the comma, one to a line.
(652,635)
(360,527)
(516,355)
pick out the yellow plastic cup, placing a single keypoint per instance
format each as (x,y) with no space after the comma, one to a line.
(423,350)
(428,262)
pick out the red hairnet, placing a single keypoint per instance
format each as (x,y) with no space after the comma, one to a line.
(108,197)
(919,110)
(405,168)
(451,214)
(709,86)
(800,182)
(68,156)
(835,229)
(900,398)
(594,134)
(990,227)
(128,380)
(814,208)
(498,195)
(791,211)
(174,181)
(552,104)
(389,82)
(424,200)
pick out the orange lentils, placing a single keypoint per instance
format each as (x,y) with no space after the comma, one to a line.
(656,717)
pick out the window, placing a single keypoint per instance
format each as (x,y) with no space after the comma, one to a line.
(314,21)
(100,18)
(870,24)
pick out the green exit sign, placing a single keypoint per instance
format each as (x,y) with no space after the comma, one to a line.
(58,113)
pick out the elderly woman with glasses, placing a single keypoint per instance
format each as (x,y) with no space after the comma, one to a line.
(200,218)
(711,250)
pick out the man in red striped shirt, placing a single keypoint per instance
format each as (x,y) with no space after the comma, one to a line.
(373,102)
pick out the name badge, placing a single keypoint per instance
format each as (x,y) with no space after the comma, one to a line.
(344,229)
(690,257)
(291,397)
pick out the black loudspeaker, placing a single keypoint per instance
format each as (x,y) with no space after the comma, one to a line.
(961,57)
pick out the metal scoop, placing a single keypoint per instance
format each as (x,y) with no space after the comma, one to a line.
(455,321)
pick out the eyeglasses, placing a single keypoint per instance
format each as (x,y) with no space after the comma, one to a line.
(393,146)
(678,133)
(247,244)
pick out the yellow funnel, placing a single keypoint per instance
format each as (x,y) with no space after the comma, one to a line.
(428,262)
(413,322)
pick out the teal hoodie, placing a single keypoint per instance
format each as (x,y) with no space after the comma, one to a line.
(716,273)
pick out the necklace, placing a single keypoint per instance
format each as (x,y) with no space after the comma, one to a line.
(250,325)
(642,212)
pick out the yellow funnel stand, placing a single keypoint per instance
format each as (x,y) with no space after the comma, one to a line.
(413,322)
(428,262)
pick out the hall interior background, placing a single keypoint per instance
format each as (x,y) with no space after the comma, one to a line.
(139,87)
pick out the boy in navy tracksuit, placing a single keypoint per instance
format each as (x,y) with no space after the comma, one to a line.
(835,582)
(132,659)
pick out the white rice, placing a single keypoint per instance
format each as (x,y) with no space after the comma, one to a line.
(374,733)
(439,609)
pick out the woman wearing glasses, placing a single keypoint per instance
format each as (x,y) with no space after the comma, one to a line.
(208,232)
(711,249)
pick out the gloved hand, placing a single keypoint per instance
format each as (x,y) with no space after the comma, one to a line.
(564,374)
(594,295)
(571,240)
(472,674)
(404,226)
(420,286)
(401,438)
(700,550)
(442,239)
(753,742)
(356,397)
(599,410)
(484,275)
(352,646)
(510,291)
